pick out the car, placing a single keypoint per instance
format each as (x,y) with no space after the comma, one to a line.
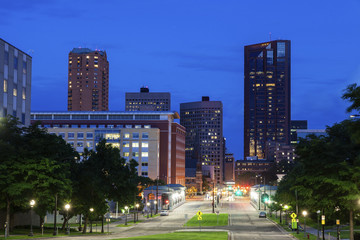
(164,213)
(262,215)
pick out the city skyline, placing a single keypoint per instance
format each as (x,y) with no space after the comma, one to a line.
(198,44)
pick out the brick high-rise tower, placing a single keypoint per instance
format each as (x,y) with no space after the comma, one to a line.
(88,84)
(266,98)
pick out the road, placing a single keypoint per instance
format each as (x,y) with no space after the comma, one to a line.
(244,222)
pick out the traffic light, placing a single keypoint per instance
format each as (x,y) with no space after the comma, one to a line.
(264,198)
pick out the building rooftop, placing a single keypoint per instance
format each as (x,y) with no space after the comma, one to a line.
(131,115)
(86,50)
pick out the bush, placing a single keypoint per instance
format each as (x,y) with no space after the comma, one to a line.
(356,236)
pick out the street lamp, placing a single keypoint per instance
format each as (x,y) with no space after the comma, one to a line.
(304,214)
(67,207)
(148,205)
(136,216)
(155,202)
(281,213)
(91,211)
(286,208)
(32,204)
(318,215)
(126,209)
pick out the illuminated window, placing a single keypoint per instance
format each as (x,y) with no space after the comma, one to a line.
(15,92)
(144,154)
(126,135)
(89,144)
(135,154)
(5,86)
(126,154)
(126,144)
(144,144)
(135,144)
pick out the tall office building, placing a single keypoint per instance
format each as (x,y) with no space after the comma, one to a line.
(203,122)
(266,98)
(15,77)
(147,101)
(88,85)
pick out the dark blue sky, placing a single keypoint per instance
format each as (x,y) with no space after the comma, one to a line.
(191,48)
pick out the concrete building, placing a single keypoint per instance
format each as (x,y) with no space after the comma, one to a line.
(140,144)
(151,136)
(88,80)
(266,98)
(295,126)
(250,168)
(15,78)
(147,101)
(229,167)
(204,133)
(303,133)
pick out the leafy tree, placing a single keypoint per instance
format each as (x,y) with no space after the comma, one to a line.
(13,183)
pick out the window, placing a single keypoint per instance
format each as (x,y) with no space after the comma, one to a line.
(15,92)
(71,144)
(144,173)
(147,126)
(62,135)
(145,135)
(135,154)
(89,144)
(128,126)
(5,86)
(144,154)
(126,135)
(126,154)
(135,144)
(126,144)
(15,63)
(144,164)
(80,135)
(280,49)
(137,126)
(80,144)
(71,135)
(144,144)
(89,135)
(136,135)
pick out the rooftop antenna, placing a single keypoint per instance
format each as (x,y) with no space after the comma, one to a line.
(270,35)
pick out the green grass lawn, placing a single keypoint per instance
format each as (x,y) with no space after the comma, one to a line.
(209,220)
(186,235)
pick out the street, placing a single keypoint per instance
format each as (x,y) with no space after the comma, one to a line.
(244,222)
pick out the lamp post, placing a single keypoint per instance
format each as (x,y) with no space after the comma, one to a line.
(318,215)
(148,205)
(286,208)
(155,202)
(126,209)
(280,213)
(304,214)
(67,207)
(32,204)
(91,211)
(137,212)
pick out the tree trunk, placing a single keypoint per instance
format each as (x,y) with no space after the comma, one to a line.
(55,216)
(7,217)
(351,225)
(85,224)
(102,224)
(64,223)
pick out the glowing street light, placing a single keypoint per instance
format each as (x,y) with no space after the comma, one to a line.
(148,205)
(286,208)
(91,211)
(304,214)
(136,217)
(67,207)
(32,204)
(126,210)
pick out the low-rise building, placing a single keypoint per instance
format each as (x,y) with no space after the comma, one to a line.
(151,138)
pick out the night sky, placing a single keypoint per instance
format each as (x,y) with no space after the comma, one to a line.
(191,48)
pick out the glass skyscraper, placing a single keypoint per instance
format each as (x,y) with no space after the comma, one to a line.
(267,98)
